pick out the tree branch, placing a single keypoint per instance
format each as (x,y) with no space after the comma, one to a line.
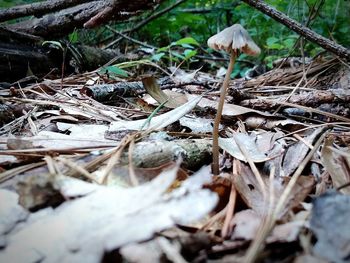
(310,35)
(37,9)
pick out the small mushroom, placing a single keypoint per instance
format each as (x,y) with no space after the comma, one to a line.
(233,40)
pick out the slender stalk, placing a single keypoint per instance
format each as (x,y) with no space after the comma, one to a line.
(215,165)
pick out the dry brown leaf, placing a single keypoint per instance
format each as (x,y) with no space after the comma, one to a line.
(229,110)
(296,153)
(272,122)
(336,162)
(248,187)
(153,89)
(230,146)
(246,225)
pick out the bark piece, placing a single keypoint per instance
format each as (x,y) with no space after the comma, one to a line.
(195,153)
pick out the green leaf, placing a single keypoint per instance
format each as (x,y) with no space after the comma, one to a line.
(189,53)
(289,43)
(243,71)
(163,49)
(271,40)
(187,46)
(276,46)
(236,71)
(178,55)
(115,70)
(187,40)
(73,37)
(157,57)
(269,59)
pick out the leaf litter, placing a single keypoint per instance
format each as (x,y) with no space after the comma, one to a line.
(87,171)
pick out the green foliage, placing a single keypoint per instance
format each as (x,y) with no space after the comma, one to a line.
(114,70)
(9,3)
(181,32)
(182,50)
(276,40)
(73,37)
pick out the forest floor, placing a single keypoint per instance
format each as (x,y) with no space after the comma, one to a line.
(103,170)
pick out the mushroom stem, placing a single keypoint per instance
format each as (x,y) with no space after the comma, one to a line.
(215,165)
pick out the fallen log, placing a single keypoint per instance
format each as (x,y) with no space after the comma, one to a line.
(24,55)
(77,14)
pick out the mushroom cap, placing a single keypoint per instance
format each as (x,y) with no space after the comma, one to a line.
(234,38)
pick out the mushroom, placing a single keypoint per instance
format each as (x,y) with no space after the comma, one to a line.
(233,40)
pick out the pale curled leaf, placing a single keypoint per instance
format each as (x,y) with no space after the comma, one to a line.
(158,122)
(230,146)
(55,140)
(197,124)
(87,131)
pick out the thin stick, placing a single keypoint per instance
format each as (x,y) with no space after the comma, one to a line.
(132,175)
(226,228)
(215,167)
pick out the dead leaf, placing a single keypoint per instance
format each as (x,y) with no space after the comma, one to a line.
(153,89)
(270,123)
(158,122)
(10,214)
(296,153)
(147,252)
(197,124)
(248,187)
(245,225)
(102,219)
(230,146)
(54,140)
(84,131)
(336,162)
(229,110)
